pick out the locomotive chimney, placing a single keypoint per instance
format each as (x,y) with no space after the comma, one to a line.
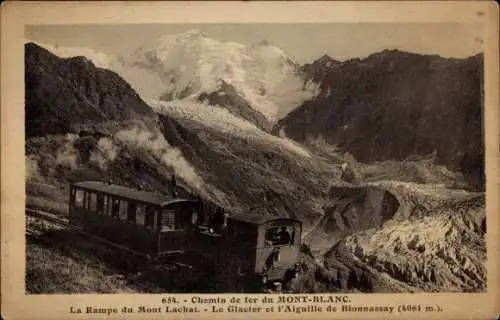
(174,186)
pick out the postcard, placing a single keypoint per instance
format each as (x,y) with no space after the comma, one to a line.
(239,160)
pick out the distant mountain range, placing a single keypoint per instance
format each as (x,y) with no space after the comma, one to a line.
(394,104)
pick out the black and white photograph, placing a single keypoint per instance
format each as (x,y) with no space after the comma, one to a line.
(254,158)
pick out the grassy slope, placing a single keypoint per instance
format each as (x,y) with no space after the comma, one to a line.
(51,270)
(55,267)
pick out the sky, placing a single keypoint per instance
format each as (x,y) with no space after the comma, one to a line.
(303,42)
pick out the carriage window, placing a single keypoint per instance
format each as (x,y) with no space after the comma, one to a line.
(115,209)
(280,235)
(217,222)
(196,218)
(168,220)
(123,209)
(86,200)
(149,220)
(72,196)
(111,207)
(131,212)
(140,211)
(79,195)
(100,204)
(105,206)
(187,217)
(92,202)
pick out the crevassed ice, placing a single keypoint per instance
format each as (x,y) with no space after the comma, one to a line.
(436,190)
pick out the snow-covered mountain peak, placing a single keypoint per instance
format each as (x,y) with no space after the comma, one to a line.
(191,63)
(264,43)
(191,42)
(266,50)
(194,33)
(188,64)
(167,40)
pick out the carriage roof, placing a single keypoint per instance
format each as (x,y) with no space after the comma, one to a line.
(260,219)
(129,193)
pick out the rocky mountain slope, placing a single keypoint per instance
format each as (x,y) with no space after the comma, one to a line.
(64,93)
(99,59)
(227,97)
(319,69)
(351,209)
(281,177)
(392,105)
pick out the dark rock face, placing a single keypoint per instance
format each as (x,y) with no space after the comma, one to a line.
(319,69)
(276,184)
(394,104)
(353,209)
(85,94)
(227,97)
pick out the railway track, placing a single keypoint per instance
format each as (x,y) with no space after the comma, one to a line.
(64,223)
(41,223)
(47,216)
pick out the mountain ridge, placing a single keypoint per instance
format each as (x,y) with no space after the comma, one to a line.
(226,96)
(408,104)
(94,94)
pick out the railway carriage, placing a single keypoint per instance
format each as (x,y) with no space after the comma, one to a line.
(139,220)
(243,251)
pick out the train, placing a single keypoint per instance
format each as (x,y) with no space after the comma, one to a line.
(248,252)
